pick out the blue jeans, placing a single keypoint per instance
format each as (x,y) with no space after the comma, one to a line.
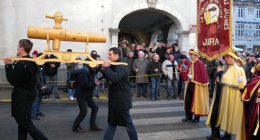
(71,92)
(172,84)
(155,84)
(182,88)
(37,103)
(130,128)
(97,88)
(52,82)
(141,89)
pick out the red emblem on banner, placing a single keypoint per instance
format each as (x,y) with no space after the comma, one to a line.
(214,28)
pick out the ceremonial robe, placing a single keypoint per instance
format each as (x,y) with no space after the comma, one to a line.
(231,107)
(200,97)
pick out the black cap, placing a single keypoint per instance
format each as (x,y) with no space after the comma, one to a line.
(39,54)
(94,56)
(182,57)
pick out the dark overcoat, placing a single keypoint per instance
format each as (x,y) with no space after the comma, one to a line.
(119,98)
(23,78)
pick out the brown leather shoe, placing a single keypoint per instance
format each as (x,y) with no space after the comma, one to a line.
(95,128)
(78,130)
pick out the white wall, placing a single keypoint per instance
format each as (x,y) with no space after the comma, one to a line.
(95,16)
(86,16)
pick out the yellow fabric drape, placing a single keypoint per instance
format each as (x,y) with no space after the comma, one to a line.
(230,76)
(231,108)
(231,118)
(201,94)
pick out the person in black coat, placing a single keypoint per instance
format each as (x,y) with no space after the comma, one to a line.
(51,74)
(23,78)
(215,133)
(154,69)
(85,84)
(119,99)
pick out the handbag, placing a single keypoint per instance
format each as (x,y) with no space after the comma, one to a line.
(47,91)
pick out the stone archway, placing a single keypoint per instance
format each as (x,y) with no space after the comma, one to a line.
(175,16)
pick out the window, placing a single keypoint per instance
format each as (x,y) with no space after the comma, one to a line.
(240,13)
(257,31)
(160,36)
(175,37)
(258,13)
(239,30)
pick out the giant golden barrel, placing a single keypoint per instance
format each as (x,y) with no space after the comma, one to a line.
(64,35)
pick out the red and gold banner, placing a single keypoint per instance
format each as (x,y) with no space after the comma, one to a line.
(214,28)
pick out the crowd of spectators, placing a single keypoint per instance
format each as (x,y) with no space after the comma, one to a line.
(139,57)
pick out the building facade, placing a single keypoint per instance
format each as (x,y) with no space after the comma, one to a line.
(246,33)
(169,21)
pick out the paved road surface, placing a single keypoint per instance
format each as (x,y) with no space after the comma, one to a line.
(154,120)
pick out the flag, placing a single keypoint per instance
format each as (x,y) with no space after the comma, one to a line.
(214,28)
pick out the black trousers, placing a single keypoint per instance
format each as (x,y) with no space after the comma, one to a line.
(25,125)
(188,101)
(83,112)
(212,84)
(215,109)
(214,115)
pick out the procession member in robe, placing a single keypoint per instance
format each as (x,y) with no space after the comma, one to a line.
(251,98)
(241,63)
(214,110)
(230,115)
(213,114)
(197,94)
(254,71)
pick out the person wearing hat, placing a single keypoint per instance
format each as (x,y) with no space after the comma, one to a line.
(40,87)
(251,98)
(241,64)
(197,94)
(35,54)
(183,68)
(254,70)
(226,112)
